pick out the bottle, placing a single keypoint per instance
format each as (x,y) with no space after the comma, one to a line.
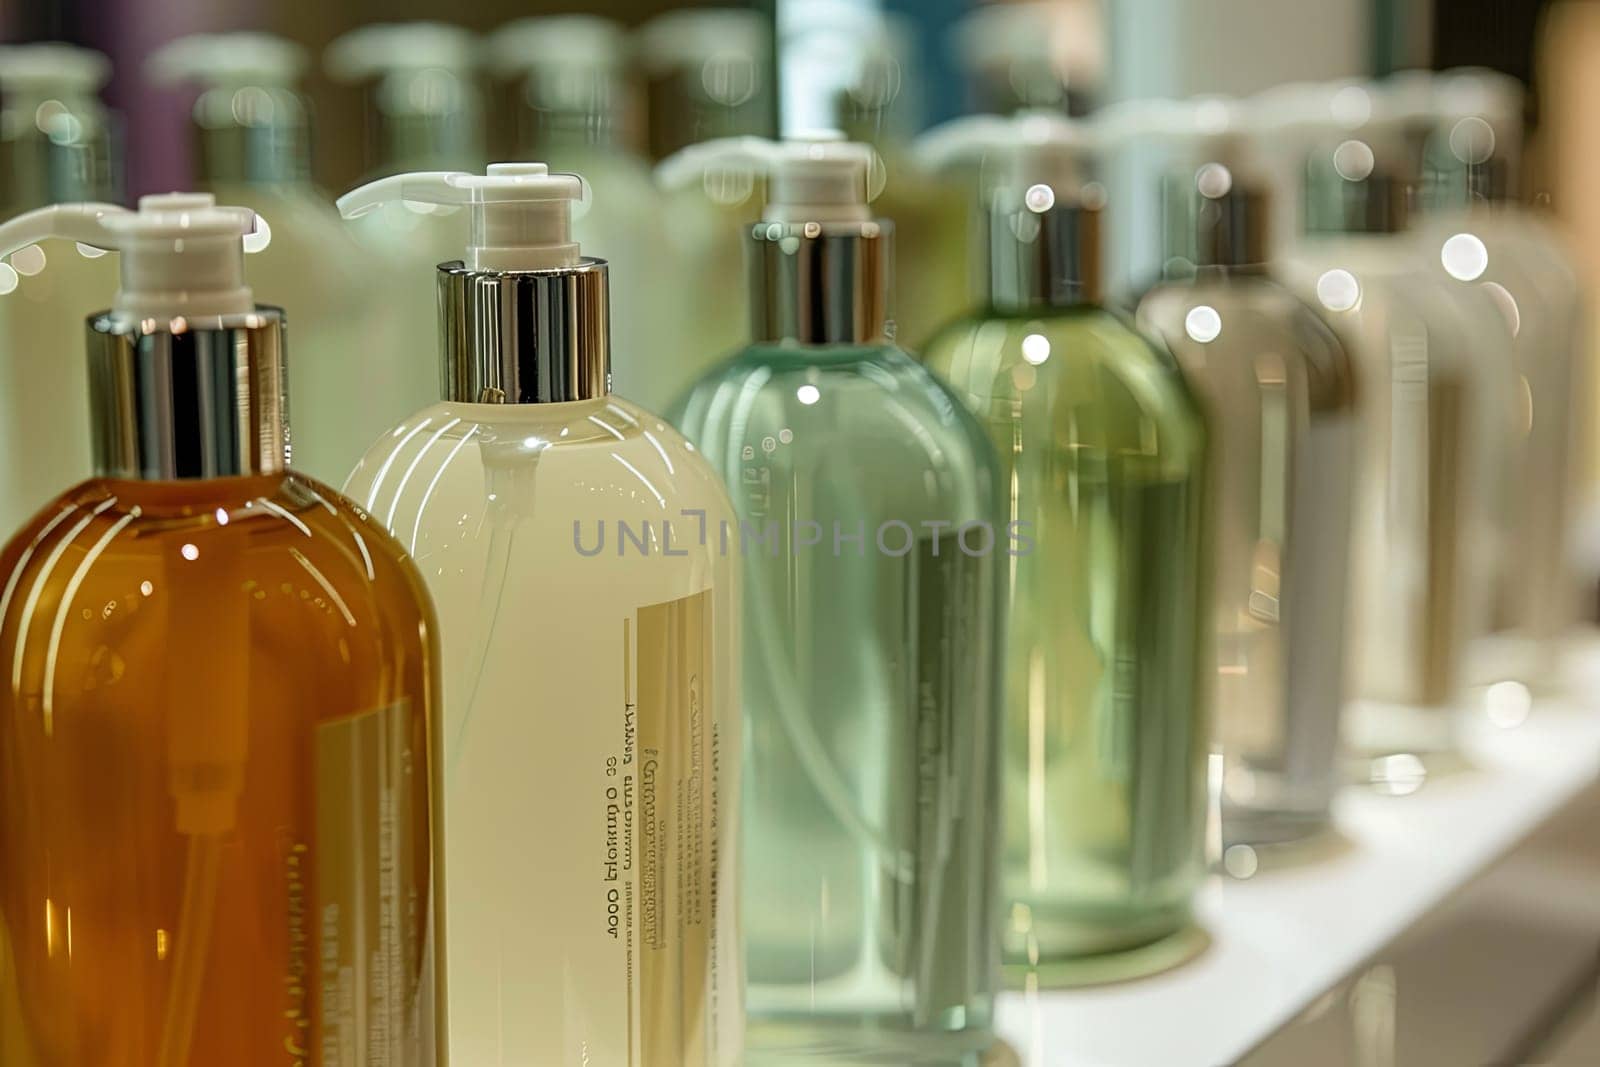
(252,141)
(868,506)
(588,628)
(577,110)
(1436,412)
(709,75)
(1280,392)
(424,112)
(61,144)
(1476,232)
(1107,677)
(220,681)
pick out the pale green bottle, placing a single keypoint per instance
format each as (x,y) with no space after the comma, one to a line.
(873,549)
(1104,457)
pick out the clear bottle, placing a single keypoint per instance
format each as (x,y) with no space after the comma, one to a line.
(253,148)
(588,626)
(1281,394)
(1103,452)
(1477,233)
(578,111)
(1436,410)
(59,143)
(221,683)
(868,505)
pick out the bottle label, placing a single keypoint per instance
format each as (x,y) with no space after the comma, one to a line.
(365,906)
(664,874)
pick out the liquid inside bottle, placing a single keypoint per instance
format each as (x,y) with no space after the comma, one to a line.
(873,555)
(591,729)
(216,801)
(1106,732)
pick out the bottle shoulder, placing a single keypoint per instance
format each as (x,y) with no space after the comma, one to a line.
(1088,356)
(858,391)
(1220,330)
(453,459)
(290,512)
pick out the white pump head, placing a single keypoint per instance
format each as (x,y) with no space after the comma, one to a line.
(521,213)
(228,59)
(182,255)
(811,177)
(1042,152)
(27,70)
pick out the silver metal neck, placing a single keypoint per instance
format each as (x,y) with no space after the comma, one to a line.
(203,398)
(1048,258)
(525,337)
(820,283)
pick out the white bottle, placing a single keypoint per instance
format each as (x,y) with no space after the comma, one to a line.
(1433,360)
(1477,234)
(578,110)
(61,145)
(587,612)
(252,146)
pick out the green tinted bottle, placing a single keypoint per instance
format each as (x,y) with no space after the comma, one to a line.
(1103,456)
(873,555)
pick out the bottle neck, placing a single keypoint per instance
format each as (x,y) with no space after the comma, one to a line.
(820,283)
(1227,232)
(57,151)
(1043,259)
(252,135)
(1379,203)
(525,337)
(188,399)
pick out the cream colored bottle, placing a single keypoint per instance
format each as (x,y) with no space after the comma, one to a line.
(252,147)
(1436,409)
(60,144)
(573,543)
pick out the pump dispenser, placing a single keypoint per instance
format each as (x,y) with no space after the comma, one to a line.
(1474,231)
(1105,452)
(221,675)
(871,684)
(1281,393)
(539,505)
(1436,410)
(252,146)
(58,143)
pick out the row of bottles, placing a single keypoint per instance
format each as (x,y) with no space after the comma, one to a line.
(770,726)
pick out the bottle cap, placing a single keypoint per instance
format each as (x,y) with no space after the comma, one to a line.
(811,177)
(228,59)
(30,69)
(182,254)
(521,213)
(427,110)
(1042,205)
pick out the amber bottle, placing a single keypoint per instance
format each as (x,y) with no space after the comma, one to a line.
(217,730)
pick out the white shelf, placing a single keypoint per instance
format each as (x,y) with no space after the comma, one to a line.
(1285,939)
